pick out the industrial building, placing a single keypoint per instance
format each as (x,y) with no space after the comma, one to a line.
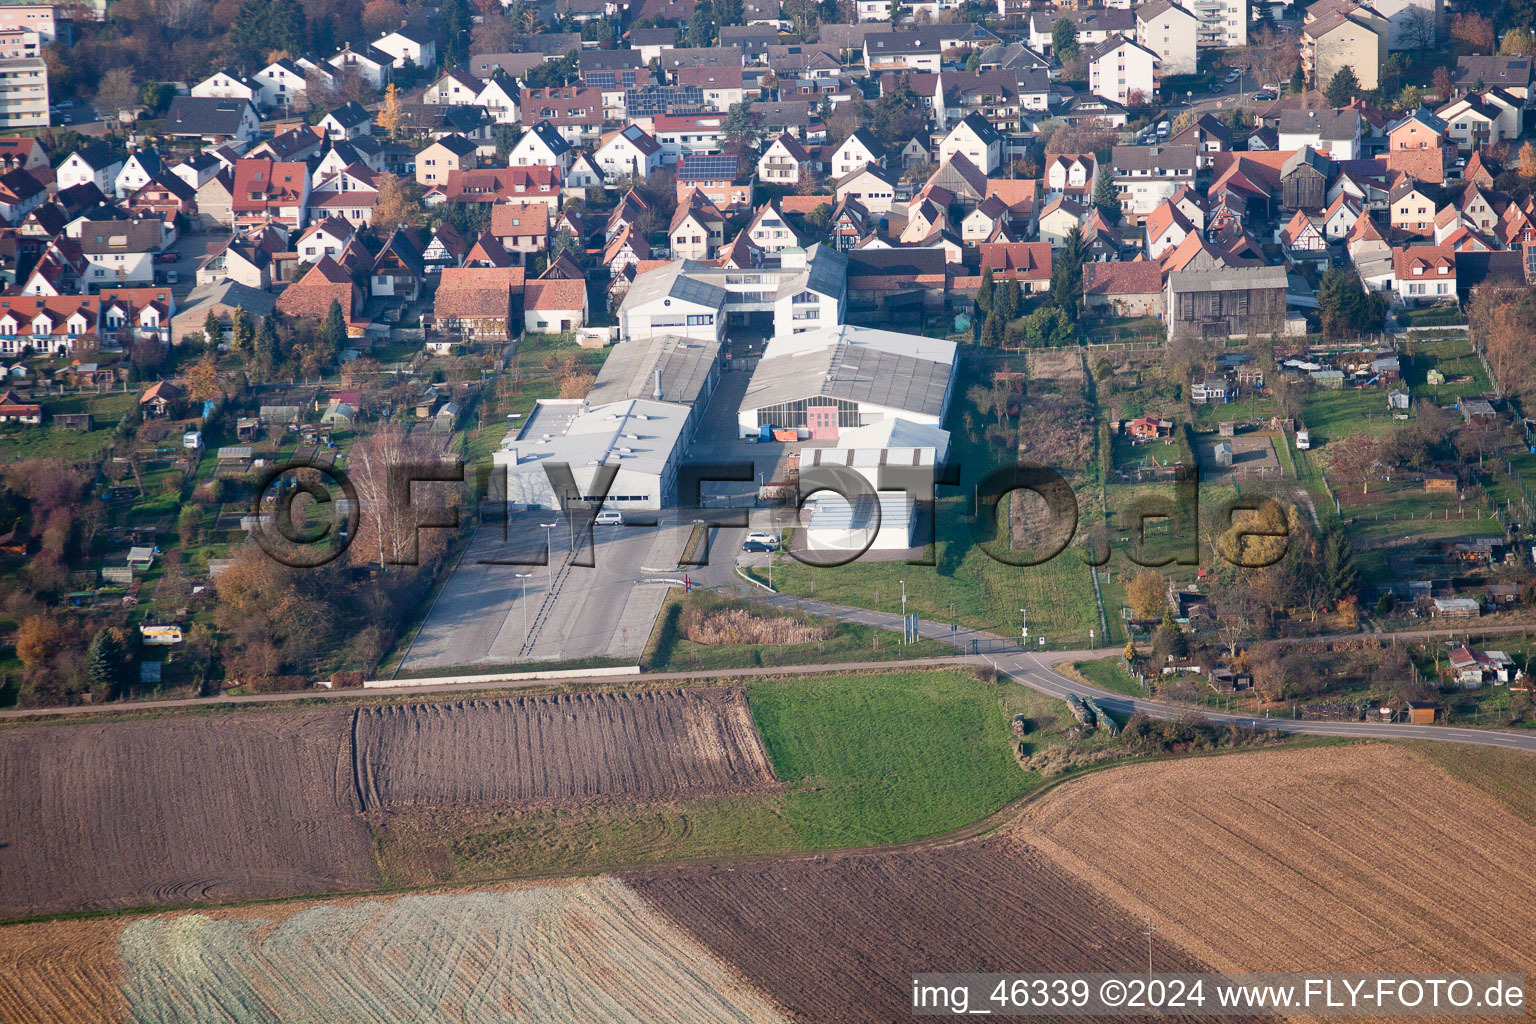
(663,368)
(642,440)
(799,289)
(820,383)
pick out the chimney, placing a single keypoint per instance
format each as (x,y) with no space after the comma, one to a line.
(657,393)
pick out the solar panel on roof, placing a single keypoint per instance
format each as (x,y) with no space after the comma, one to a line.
(695,167)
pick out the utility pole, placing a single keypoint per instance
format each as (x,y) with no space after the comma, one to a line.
(1148,933)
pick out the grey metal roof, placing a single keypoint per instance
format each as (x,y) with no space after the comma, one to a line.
(630,369)
(854,370)
(674,281)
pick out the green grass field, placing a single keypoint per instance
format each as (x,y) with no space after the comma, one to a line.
(1334,415)
(865,758)
(886,758)
(1109,674)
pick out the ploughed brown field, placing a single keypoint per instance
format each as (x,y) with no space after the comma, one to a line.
(271,803)
(169,810)
(559,751)
(839,938)
(1350,859)
(1344,859)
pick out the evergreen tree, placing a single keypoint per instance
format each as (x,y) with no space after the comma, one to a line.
(455,18)
(992,331)
(243,337)
(266,347)
(213,331)
(333,333)
(1338,567)
(1298,78)
(1343,87)
(104,661)
(1105,199)
(1064,40)
(1006,300)
(984,293)
(1067,275)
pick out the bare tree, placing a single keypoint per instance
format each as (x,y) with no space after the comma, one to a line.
(116,93)
(180,15)
(386,523)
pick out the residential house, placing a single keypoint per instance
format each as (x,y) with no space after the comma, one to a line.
(371,65)
(1123,71)
(541,146)
(409,46)
(478,301)
(554,306)
(20,194)
(348,121)
(1071,174)
(227,85)
(521,228)
(718,177)
(1146,175)
(976,139)
(1355,38)
(1093,26)
(1416,146)
(446,155)
(1171,32)
(1301,238)
(1028,263)
(1059,220)
(94,163)
(697,228)
(873,188)
(1475,121)
(859,150)
(575,112)
(328,236)
(1340,217)
(1476,72)
(121,253)
(398,269)
(1124,289)
(311,295)
(630,152)
(268,191)
(222,299)
(282,85)
(1335,132)
(212,120)
(1413,207)
(1424,273)
(783,161)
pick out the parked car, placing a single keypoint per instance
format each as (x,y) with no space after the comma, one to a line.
(609,517)
(1234,75)
(763,538)
(166,257)
(1264,96)
(1163,128)
(1217,87)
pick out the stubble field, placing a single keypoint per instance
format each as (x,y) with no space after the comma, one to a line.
(585,951)
(559,751)
(1350,859)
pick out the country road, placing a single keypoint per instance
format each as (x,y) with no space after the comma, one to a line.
(1026,667)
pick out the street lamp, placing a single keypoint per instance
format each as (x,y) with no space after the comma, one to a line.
(1024,627)
(549,549)
(524,577)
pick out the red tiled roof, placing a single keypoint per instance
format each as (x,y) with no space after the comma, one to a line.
(555,294)
(1141,277)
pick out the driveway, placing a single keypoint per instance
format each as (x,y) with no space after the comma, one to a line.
(191,248)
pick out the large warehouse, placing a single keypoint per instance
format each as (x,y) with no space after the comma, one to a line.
(642,440)
(836,378)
